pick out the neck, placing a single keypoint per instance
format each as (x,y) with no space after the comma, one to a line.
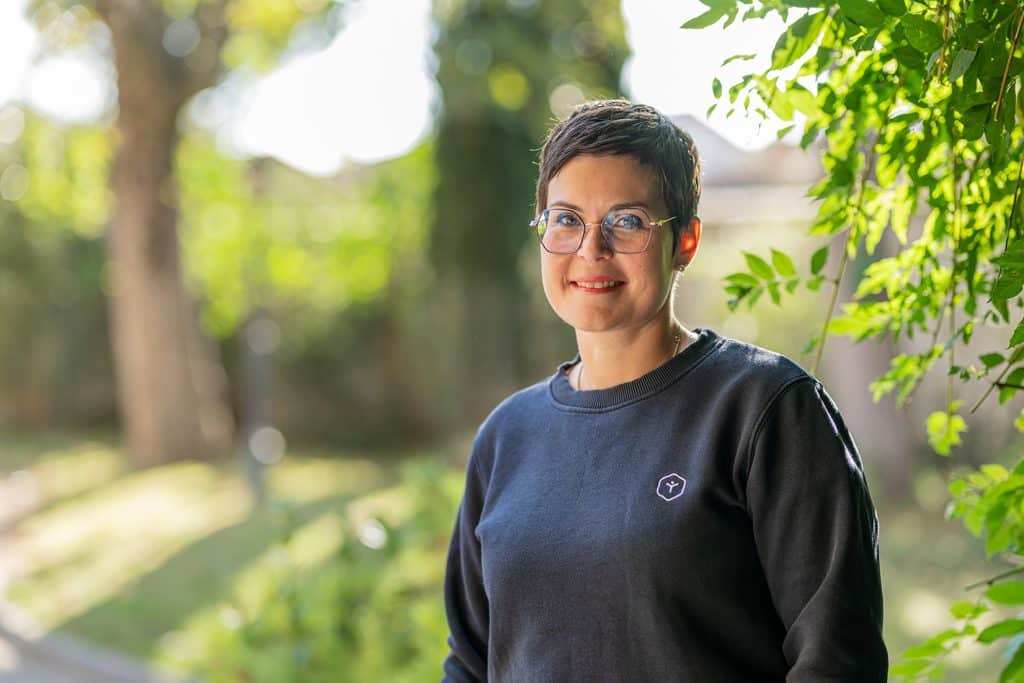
(612,358)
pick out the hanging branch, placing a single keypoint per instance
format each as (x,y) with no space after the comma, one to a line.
(999,380)
(1006,70)
(850,237)
(952,280)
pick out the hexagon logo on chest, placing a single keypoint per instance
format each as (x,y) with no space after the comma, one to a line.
(671,486)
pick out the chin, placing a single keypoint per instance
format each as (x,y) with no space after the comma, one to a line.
(588,322)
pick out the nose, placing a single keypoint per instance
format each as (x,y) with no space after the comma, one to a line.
(594,247)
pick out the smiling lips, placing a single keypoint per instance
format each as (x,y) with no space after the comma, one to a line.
(597,285)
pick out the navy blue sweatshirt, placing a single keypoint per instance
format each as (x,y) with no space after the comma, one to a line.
(708,521)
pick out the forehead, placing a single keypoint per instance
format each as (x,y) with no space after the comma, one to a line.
(594,182)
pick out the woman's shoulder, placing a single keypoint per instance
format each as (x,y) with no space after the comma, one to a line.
(751,366)
(517,408)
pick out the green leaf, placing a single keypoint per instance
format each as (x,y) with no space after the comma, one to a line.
(990,360)
(995,471)
(1007,593)
(737,290)
(743,57)
(944,431)
(1001,629)
(802,100)
(1008,284)
(777,100)
(758,266)
(967,609)
(910,669)
(924,35)
(1013,256)
(1011,275)
(894,8)
(743,279)
(927,649)
(783,264)
(708,18)
(716,88)
(1011,670)
(1015,377)
(818,260)
(862,12)
(974,121)
(961,62)
(994,135)
(797,39)
(1018,335)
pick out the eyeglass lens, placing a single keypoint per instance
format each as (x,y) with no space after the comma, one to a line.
(562,230)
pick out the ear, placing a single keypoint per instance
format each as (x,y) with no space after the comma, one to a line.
(689,239)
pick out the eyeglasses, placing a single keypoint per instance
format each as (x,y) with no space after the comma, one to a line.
(626,231)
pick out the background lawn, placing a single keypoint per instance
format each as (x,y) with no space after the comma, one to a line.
(147,562)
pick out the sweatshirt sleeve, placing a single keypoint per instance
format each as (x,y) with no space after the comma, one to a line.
(465,600)
(816,532)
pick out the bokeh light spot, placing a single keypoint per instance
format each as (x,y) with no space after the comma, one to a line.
(564,98)
(12,123)
(14,182)
(372,534)
(181,37)
(263,335)
(509,87)
(267,445)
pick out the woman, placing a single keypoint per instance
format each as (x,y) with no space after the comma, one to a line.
(670,505)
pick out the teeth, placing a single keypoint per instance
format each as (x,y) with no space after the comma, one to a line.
(598,285)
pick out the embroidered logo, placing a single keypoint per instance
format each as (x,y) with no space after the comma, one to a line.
(671,486)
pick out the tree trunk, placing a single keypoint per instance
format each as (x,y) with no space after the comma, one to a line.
(172,387)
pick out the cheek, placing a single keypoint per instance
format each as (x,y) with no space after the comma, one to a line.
(652,271)
(653,279)
(550,275)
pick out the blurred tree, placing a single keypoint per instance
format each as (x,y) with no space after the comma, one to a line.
(505,68)
(172,388)
(54,349)
(338,262)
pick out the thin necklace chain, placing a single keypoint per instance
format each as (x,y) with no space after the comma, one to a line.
(675,352)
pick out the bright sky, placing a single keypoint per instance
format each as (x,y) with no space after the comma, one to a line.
(312,111)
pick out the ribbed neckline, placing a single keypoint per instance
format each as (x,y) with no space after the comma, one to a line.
(619,395)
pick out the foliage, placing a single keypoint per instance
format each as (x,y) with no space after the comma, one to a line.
(53,205)
(258,234)
(370,611)
(920,105)
(256,32)
(319,253)
(66,176)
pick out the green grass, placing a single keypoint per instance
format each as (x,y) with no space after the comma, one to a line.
(122,557)
(136,560)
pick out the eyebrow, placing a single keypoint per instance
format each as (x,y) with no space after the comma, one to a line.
(614,207)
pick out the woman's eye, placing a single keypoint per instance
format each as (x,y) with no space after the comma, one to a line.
(565,219)
(629,221)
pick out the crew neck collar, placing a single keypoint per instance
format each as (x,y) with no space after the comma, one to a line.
(638,389)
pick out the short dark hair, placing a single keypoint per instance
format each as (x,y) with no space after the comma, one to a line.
(637,130)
